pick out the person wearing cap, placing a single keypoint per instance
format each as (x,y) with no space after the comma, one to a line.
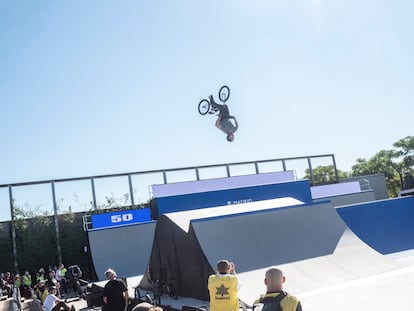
(223,287)
(115,295)
(53,303)
(275,298)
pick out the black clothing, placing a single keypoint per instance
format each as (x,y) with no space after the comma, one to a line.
(224,110)
(114,291)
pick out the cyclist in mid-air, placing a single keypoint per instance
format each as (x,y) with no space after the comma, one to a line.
(223,121)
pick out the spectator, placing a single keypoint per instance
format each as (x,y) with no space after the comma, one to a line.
(60,277)
(41,290)
(26,290)
(7,283)
(275,298)
(223,287)
(53,303)
(115,293)
(51,281)
(40,275)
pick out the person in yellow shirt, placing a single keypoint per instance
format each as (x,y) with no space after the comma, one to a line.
(223,287)
(275,298)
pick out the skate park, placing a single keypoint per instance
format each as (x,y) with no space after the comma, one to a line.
(340,246)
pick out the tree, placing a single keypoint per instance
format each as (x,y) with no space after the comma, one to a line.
(35,238)
(405,150)
(324,174)
(381,163)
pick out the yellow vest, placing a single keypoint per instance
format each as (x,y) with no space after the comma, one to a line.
(287,303)
(223,292)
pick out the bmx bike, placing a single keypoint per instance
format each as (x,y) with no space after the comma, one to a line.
(204,106)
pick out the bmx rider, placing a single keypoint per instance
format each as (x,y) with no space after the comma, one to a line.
(223,121)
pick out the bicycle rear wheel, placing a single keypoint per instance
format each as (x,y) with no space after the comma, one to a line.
(224,93)
(203,106)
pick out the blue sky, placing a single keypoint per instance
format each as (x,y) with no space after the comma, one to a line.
(101,87)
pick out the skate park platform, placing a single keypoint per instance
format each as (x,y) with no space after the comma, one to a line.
(358,256)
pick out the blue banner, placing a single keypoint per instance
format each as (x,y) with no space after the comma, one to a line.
(121,218)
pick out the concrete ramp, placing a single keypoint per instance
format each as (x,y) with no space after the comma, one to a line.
(254,235)
(125,249)
(352,261)
(263,237)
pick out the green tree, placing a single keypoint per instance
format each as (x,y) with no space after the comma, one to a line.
(405,151)
(381,163)
(324,174)
(6,247)
(35,238)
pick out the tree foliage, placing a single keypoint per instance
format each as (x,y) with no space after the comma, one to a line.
(36,241)
(405,150)
(392,163)
(324,174)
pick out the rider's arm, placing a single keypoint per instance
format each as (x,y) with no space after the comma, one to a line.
(235,123)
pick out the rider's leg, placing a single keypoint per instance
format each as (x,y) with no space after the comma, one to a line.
(223,109)
(213,103)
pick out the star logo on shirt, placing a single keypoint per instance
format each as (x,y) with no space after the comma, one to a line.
(222,290)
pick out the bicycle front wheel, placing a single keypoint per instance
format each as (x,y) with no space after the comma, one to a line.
(224,93)
(203,106)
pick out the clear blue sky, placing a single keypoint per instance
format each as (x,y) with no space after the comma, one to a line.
(100,87)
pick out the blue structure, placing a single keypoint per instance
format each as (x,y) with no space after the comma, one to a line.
(387,225)
(299,190)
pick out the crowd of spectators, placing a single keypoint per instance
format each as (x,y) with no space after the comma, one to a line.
(39,282)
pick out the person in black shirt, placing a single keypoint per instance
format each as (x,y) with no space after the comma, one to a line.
(115,293)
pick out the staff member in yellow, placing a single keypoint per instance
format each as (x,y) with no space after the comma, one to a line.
(275,298)
(223,287)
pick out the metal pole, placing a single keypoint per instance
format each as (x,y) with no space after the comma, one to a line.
(256,167)
(55,211)
(228,170)
(13,230)
(310,172)
(93,193)
(335,170)
(197,174)
(131,191)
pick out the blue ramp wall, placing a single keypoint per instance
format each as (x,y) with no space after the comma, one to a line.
(387,226)
(299,190)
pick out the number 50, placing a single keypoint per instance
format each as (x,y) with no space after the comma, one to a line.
(121,218)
